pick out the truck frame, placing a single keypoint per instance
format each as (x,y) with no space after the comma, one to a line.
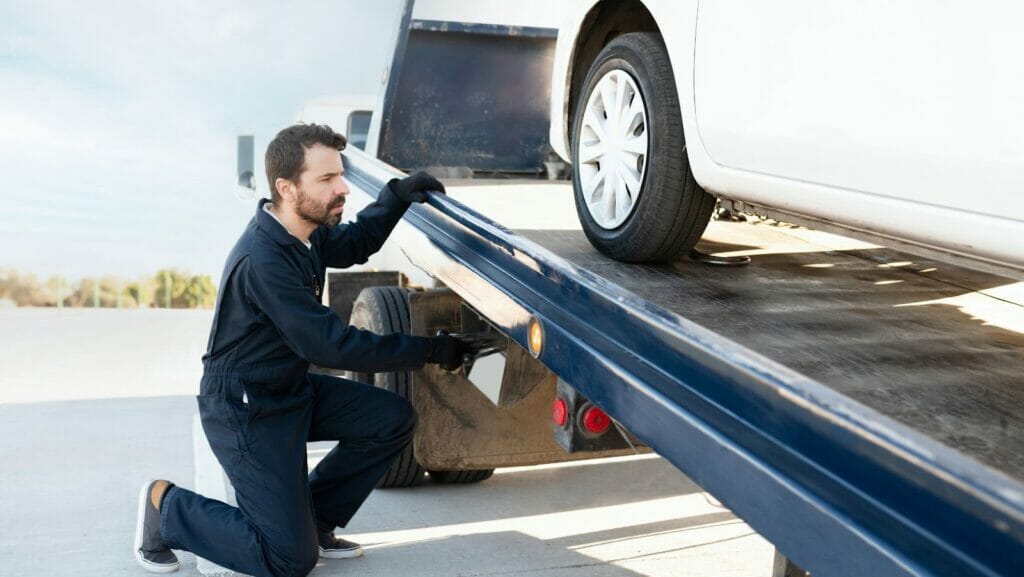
(860,435)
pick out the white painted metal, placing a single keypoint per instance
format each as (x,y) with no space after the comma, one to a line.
(532,13)
(568,31)
(487,373)
(909,100)
(335,110)
(612,153)
(898,118)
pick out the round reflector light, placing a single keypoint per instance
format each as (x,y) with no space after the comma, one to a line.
(596,421)
(560,412)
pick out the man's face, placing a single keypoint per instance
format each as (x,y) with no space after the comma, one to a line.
(320,193)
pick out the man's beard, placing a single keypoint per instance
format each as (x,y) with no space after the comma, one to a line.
(318,213)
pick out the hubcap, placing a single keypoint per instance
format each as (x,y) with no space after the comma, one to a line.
(611,156)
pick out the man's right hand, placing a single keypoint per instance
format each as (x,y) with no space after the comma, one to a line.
(414,188)
(448,352)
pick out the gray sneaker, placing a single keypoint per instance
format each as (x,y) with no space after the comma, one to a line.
(150,550)
(334,547)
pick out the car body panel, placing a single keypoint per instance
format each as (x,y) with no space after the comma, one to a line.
(784,108)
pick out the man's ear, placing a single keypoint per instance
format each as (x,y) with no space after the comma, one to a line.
(285,188)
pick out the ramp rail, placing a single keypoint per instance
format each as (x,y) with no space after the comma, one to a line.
(838,487)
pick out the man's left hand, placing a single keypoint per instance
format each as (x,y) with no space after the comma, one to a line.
(449,352)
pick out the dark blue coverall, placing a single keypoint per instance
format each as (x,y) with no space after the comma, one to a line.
(269,325)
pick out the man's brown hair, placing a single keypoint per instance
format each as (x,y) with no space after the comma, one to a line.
(286,154)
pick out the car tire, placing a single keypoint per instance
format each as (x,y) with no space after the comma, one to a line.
(635,195)
(385,310)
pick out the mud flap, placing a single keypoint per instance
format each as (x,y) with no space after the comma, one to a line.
(459,426)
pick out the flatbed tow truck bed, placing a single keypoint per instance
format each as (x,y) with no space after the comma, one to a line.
(937,347)
(860,407)
(939,351)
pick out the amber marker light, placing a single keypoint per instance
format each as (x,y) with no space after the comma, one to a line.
(536,337)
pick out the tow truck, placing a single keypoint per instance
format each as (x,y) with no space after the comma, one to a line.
(860,407)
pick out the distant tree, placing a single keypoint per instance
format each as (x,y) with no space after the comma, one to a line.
(200,292)
(81,296)
(185,291)
(23,290)
(57,287)
(137,293)
(166,284)
(85,295)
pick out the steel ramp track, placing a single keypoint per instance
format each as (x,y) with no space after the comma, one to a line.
(838,487)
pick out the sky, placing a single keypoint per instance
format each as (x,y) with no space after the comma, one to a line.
(118,121)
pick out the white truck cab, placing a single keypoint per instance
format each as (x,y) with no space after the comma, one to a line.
(348,114)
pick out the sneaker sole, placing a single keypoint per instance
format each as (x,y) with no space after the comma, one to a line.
(341,553)
(140,518)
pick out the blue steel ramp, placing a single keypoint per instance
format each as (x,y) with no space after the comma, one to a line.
(838,487)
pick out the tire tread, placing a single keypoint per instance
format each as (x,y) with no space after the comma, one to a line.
(388,307)
(387,310)
(648,235)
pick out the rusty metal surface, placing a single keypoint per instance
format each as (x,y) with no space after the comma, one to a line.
(460,428)
(469,99)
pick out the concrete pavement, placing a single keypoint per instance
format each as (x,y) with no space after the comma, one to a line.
(70,471)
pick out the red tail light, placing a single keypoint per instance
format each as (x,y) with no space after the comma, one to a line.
(560,412)
(596,421)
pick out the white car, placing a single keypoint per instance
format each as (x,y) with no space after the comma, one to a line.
(900,120)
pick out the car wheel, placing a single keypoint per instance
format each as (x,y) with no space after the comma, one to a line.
(635,195)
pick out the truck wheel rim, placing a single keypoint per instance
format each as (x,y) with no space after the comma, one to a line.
(611,156)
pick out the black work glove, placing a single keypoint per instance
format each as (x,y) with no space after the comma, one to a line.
(414,188)
(448,352)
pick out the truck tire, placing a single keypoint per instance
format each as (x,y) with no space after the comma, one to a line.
(460,477)
(385,310)
(635,194)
